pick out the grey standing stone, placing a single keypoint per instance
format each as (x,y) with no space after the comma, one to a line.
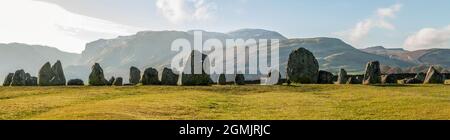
(433,77)
(222,80)
(58,75)
(97,78)
(111,81)
(372,74)
(19,78)
(150,77)
(169,77)
(342,77)
(30,80)
(239,79)
(325,77)
(189,77)
(302,67)
(8,79)
(45,75)
(118,81)
(135,75)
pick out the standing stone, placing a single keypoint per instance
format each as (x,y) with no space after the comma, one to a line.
(389,79)
(302,67)
(355,80)
(342,77)
(189,77)
(45,75)
(19,78)
(421,76)
(169,77)
(447,82)
(111,81)
(222,80)
(8,79)
(325,77)
(59,79)
(75,82)
(373,73)
(135,75)
(97,78)
(433,77)
(239,79)
(118,81)
(150,77)
(29,80)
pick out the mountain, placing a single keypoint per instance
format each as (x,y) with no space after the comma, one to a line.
(419,57)
(16,56)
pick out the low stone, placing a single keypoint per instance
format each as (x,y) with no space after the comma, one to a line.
(447,82)
(118,81)
(75,82)
(194,73)
(239,79)
(410,81)
(8,79)
(111,81)
(150,77)
(222,80)
(169,77)
(325,77)
(31,80)
(354,80)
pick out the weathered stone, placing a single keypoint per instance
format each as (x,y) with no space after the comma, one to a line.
(75,82)
(169,77)
(19,78)
(239,79)
(97,78)
(150,77)
(433,77)
(355,80)
(194,72)
(30,80)
(111,81)
(325,77)
(118,81)
(135,75)
(372,74)
(389,79)
(222,80)
(421,76)
(45,75)
(302,67)
(410,81)
(8,79)
(342,77)
(58,78)
(447,82)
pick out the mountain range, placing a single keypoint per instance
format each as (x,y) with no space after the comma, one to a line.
(152,49)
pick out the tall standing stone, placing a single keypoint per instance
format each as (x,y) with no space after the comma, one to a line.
(8,79)
(169,77)
(45,75)
(97,78)
(19,78)
(342,77)
(325,77)
(150,77)
(59,79)
(135,75)
(194,64)
(302,67)
(222,80)
(372,74)
(433,77)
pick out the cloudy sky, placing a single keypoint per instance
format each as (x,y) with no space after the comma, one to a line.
(69,24)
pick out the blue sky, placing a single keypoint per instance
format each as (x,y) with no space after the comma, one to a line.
(411,24)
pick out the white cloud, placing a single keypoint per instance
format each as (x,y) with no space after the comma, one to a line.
(380,20)
(179,11)
(427,38)
(33,22)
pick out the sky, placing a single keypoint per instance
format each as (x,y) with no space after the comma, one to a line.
(70,24)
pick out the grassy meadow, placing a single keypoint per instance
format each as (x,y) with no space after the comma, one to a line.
(251,102)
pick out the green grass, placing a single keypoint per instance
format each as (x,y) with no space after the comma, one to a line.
(252,102)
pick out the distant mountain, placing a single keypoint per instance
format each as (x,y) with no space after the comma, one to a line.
(419,57)
(16,56)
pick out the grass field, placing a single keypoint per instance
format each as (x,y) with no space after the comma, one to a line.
(302,102)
